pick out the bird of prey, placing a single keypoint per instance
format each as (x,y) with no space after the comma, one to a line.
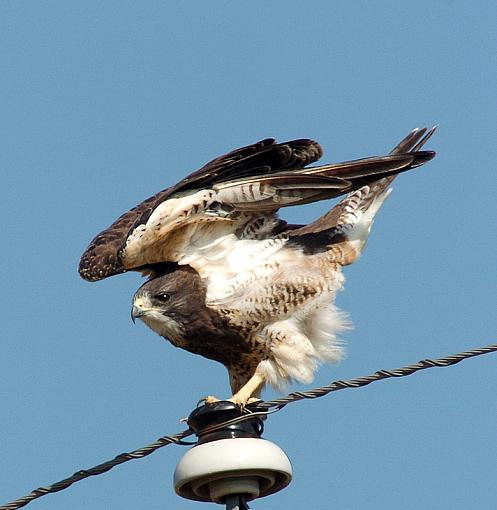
(229,279)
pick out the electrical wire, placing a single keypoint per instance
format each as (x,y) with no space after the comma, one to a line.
(263,409)
(97,470)
(377,376)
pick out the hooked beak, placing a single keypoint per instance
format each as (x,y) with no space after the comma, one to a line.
(136,313)
(137,310)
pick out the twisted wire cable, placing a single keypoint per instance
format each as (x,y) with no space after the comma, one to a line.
(97,470)
(263,408)
(377,376)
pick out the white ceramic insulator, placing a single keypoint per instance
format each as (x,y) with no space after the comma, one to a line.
(248,466)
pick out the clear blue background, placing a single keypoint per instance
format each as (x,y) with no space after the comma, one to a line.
(104,103)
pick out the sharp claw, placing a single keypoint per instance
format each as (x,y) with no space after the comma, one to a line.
(244,403)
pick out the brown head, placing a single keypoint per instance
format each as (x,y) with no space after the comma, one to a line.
(170,301)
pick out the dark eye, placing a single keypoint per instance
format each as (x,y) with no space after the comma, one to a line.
(163,296)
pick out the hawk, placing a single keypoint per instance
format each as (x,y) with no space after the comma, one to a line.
(229,279)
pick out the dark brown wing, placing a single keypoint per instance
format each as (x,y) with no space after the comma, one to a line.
(257,159)
(103,257)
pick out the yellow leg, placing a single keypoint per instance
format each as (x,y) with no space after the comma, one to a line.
(253,386)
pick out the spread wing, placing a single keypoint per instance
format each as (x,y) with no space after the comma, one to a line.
(104,255)
(228,195)
(345,228)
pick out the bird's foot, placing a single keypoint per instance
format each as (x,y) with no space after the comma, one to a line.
(243,402)
(252,387)
(254,400)
(236,399)
(209,400)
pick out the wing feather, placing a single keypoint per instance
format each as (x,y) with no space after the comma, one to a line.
(105,254)
(345,228)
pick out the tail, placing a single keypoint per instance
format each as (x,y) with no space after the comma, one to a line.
(344,230)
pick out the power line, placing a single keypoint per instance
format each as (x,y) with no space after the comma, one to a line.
(263,408)
(98,470)
(377,376)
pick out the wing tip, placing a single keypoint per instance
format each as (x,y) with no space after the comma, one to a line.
(414,140)
(94,266)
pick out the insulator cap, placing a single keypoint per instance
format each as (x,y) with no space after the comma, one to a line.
(204,418)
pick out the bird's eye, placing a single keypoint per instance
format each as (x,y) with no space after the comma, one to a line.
(163,296)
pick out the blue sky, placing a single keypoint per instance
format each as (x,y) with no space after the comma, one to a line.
(104,103)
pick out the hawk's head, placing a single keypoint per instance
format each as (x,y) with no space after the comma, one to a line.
(169,302)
